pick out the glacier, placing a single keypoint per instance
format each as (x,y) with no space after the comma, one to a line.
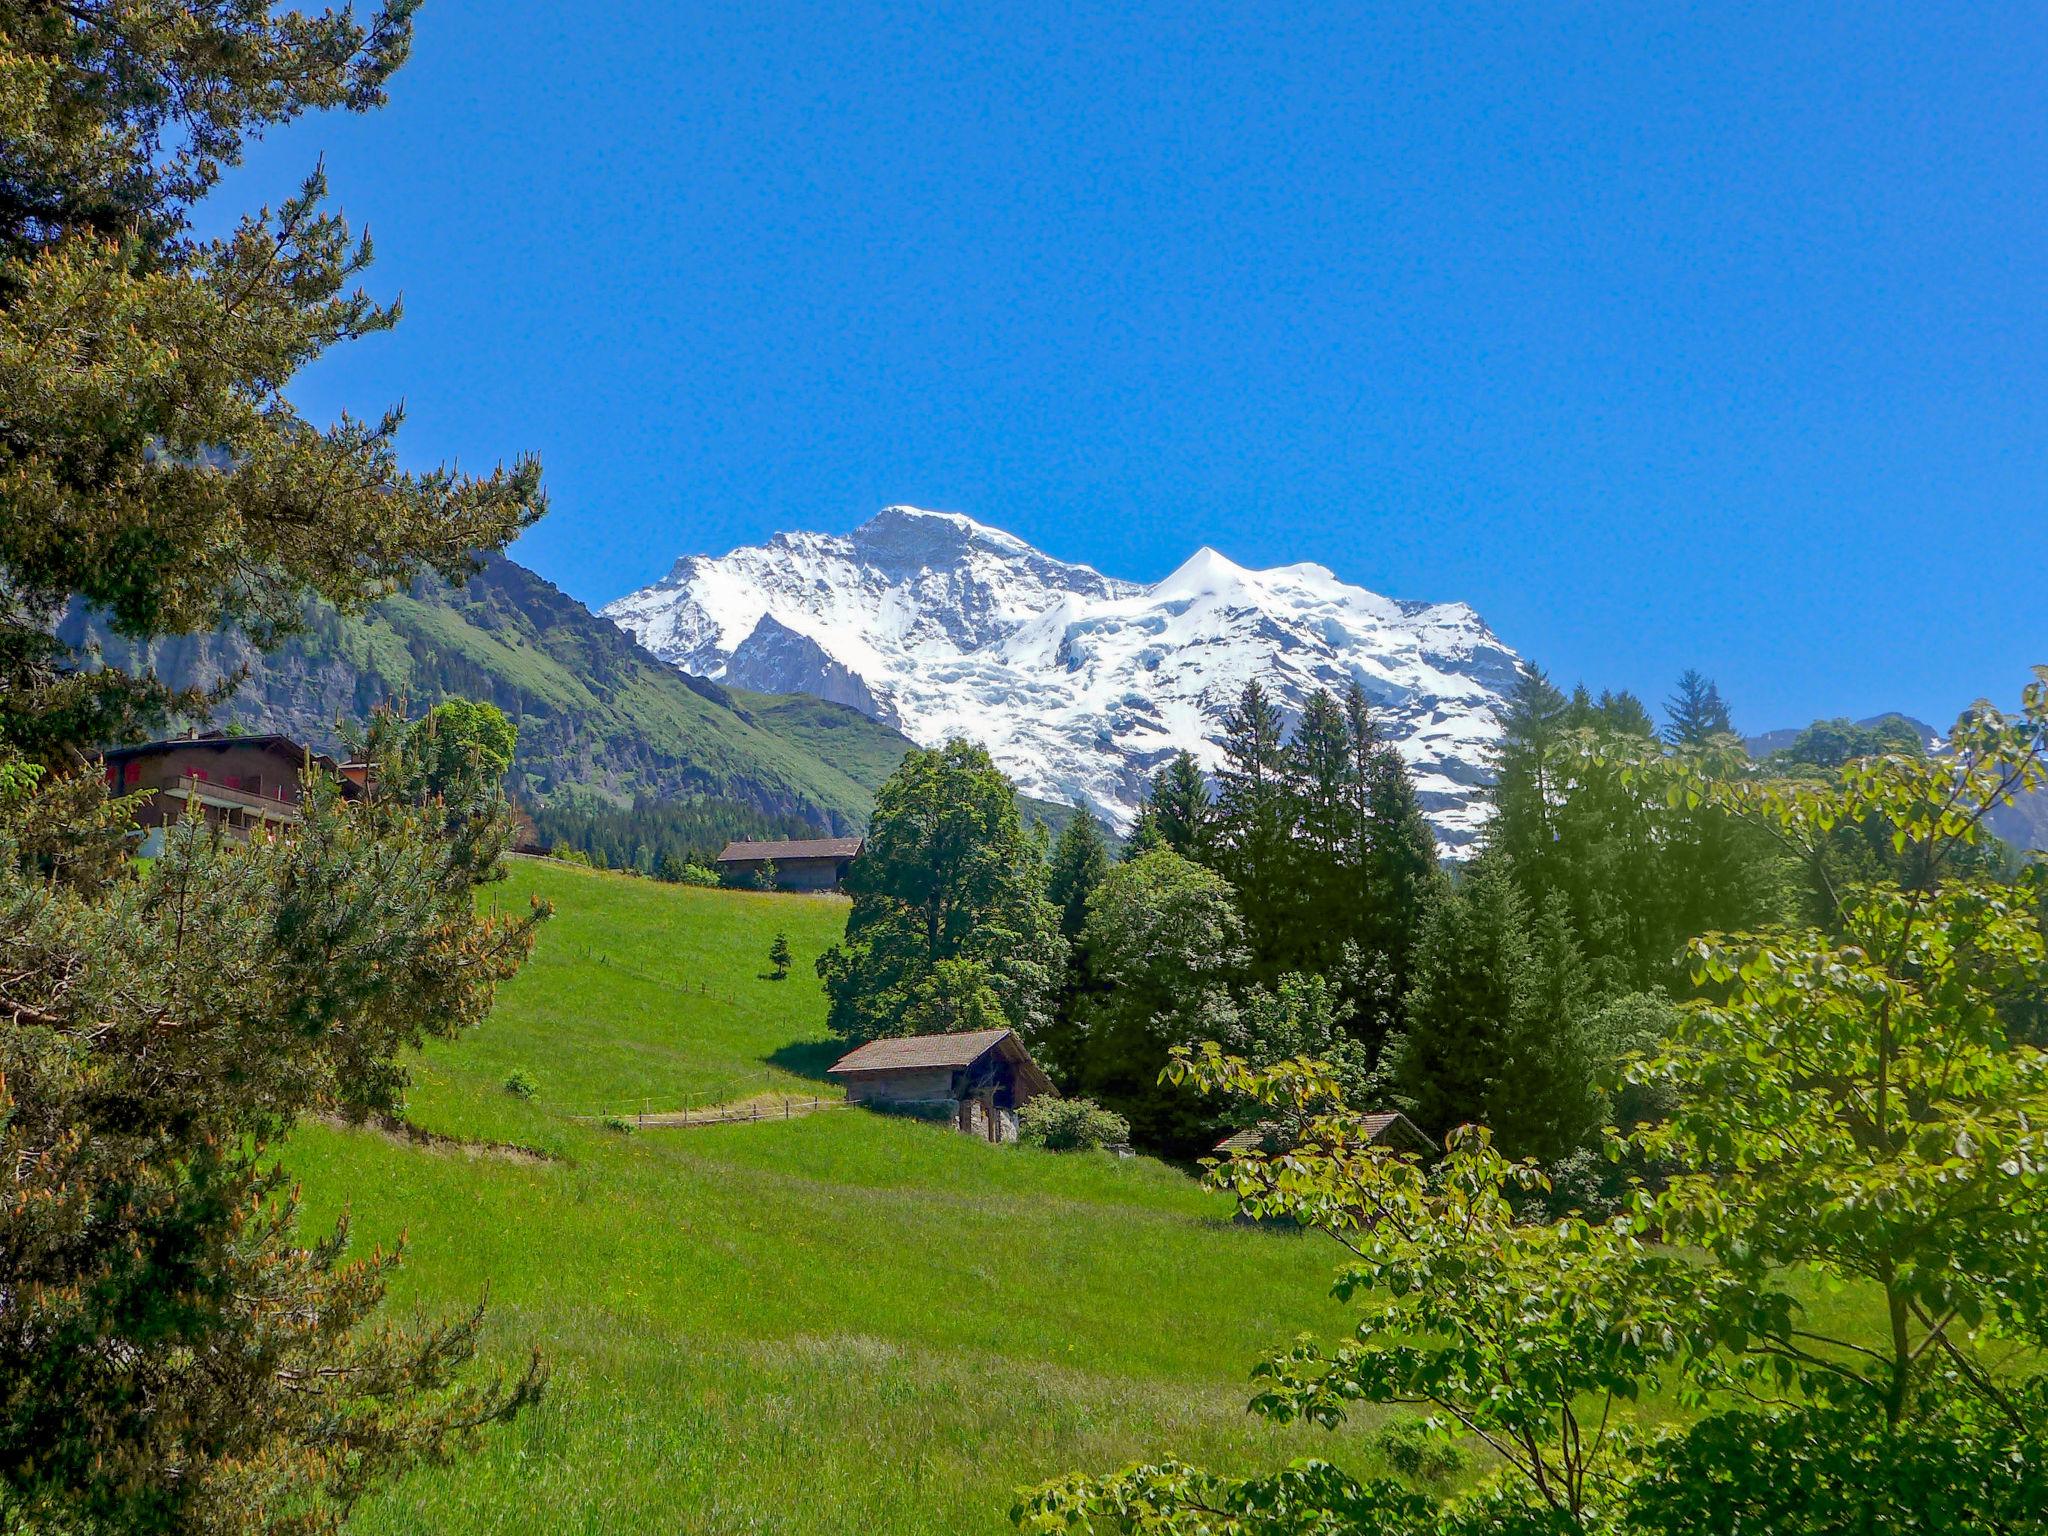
(1079,684)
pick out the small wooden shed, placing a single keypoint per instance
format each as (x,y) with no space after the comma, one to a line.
(1390,1129)
(976,1081)
(799,864)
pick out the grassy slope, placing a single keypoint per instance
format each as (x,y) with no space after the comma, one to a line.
(597,714)
(841,1323)
(571,665)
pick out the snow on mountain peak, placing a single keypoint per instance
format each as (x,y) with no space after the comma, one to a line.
(1078,683)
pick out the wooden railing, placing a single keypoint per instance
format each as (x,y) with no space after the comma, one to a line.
(276,806)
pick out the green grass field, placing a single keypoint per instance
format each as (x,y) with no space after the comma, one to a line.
(838,1323)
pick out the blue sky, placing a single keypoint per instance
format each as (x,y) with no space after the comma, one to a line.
(1663,335)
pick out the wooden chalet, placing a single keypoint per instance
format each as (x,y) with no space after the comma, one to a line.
(976,1081)
(800,864)
(246,786)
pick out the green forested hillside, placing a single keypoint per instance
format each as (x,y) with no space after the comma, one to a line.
(839,1322)
(597,716)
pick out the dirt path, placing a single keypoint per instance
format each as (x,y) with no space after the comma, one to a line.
(765,1106)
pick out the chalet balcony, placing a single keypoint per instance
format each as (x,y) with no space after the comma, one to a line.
(270,807)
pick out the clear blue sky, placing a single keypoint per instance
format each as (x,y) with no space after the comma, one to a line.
(1663,335)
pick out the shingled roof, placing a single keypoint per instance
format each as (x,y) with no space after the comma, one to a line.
(909,1053)
(1392,1128)
(795,848)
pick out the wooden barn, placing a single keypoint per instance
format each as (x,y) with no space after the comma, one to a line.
(1391,1129)
(798,864)
(976,1081)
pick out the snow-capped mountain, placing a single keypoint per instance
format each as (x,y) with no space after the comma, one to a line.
(1078,684)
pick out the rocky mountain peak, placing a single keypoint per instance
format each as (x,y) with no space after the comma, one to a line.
(1080,684)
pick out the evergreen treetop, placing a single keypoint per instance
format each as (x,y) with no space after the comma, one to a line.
(1696,713)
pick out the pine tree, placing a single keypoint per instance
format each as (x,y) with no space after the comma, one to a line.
(1322,891)
(1623,714)
(152,463)
(1079,861)
(1402,850)
(1536,718)
(1476,991)
(1546,1101)
(1254,830)
(1499,1021)
(1696,713)
(1179,810)
(171,1357)
(779,958)
(1320,771)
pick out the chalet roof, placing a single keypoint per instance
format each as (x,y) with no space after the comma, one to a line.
(909,1053)
(283,745)
(1390,1128)
(792,848)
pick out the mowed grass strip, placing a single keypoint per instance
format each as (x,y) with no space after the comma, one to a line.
(841,1322)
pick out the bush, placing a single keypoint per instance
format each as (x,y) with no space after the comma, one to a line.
(521,1084)
(618,1123)
(1418,1454)
(1070,1125)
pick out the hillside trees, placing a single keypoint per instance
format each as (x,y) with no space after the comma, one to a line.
(948,874)
(171,1358)
(1496,1031)
(1847,1101)
(1164,943)
(1638,871)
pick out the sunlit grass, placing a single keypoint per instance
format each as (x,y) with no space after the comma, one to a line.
(836,1323)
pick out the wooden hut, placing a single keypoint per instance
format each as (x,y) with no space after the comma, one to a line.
(976,1081)
(797,864)
(1391,1129)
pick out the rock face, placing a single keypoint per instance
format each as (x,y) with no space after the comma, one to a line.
(1078,684)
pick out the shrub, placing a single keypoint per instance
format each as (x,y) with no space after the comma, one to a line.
(521,1084)
(1070,1125)
(618,1123)
(1418,1454)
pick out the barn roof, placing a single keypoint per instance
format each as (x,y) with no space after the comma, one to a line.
(1391,1128)
(906,1053)
(782,851)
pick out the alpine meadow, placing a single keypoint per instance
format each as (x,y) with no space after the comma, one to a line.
(889,1029)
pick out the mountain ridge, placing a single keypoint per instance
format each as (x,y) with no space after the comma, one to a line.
(1079,683)
(598,717)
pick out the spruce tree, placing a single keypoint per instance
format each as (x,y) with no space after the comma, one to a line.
(1254,826)
(1535,720)
(1623,714)
(1079,861)
(1476,991)
(1180,811)
(1401,847)
(1696,713)
(1322,893)
(1546,1101)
